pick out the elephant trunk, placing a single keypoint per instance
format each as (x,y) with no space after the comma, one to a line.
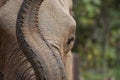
(46,63)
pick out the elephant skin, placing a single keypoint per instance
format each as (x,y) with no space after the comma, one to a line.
(36,38)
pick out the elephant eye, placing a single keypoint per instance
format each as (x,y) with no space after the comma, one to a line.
(69,44)
(70,40)
(71,12)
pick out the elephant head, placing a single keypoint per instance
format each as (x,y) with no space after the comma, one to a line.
(46,33)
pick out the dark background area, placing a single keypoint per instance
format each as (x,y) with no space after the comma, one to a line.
(98,38)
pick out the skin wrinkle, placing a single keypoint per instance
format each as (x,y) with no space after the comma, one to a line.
(7,49)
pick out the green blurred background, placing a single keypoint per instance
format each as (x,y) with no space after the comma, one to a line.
(98,38)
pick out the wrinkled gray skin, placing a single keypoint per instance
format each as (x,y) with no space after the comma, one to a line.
(36,39)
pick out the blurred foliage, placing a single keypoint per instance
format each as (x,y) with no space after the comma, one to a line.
(98,34)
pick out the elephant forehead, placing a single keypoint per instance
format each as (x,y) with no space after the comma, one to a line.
(55,19)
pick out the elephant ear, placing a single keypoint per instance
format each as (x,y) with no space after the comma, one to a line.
(46,62)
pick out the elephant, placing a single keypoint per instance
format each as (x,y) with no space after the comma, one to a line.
(36,38)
